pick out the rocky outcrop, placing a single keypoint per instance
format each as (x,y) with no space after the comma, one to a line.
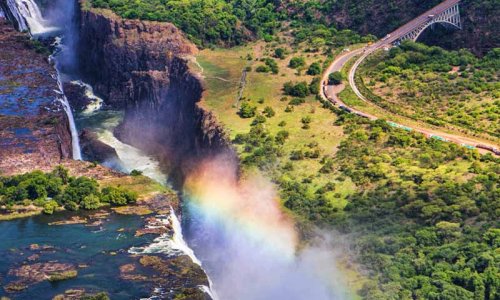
(142,67)
(34,130)
(95,150)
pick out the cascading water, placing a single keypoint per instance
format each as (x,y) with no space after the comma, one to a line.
(96,103)
(28,17)
(75,141)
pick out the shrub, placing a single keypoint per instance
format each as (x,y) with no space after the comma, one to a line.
(247,110)
(314,69)
(262,69)
(280,53)
(297,62)
(259,120)
(136,173)
(335,78)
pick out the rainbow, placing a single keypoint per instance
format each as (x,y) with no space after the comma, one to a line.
(251,207)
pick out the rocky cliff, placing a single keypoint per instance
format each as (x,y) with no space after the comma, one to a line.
(34,130)
(141,66)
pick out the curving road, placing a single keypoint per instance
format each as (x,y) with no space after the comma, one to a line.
(330,92)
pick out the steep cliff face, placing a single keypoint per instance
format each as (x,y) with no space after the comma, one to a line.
(142,67)
(34,129)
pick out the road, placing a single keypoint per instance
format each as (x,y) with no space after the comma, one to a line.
(330,92)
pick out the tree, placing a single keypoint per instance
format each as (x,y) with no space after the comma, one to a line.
(300,89)
(49,207)
(90,202)
(269,112)
(62,173)
(279,53)
(118,196)
(247,110)
(335,78)
(314,69)
(297,62)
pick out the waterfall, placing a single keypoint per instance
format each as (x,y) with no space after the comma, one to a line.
(28,17)
(75,141)
(175,245)
(96,103)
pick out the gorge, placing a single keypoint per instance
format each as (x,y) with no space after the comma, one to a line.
(141,68)
(228,149)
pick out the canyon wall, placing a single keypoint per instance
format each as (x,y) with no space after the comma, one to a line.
(34,129)
(142,67)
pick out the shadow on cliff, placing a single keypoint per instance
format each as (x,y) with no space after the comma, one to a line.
(141,67)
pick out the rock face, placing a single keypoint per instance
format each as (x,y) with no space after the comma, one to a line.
(95,150)
(142,67)
(34,130)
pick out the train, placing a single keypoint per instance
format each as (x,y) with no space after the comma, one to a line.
(489,148)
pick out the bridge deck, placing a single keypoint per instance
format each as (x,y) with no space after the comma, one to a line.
(408,27)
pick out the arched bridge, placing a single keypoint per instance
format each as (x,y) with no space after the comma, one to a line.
(447,13)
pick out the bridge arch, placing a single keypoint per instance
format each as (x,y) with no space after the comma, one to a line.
(448,17)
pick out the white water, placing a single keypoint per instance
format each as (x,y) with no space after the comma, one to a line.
(96,103)
(131,158)
(175,245)
(29,17)
(75,141)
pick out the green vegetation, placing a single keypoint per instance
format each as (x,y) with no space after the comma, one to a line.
(297,62)
(422,214)
(314,69)
(335,78)
(63,276)
(204,21)
(438,87)
(51,191)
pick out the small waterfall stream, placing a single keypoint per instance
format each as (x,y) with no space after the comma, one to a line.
(28,17)
(75,141)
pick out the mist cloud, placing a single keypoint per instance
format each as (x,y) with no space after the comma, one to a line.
(249,247)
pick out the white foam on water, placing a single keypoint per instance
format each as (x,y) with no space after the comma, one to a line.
(96,103)
(75,141)
(29,17)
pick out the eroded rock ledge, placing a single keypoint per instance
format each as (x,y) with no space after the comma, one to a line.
(142,67)
(34,127)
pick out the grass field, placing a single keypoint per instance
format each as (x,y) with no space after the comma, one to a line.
(222,70)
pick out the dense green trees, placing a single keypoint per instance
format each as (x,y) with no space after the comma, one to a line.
(55,189)
(425,217)
(204,21)
(438,86)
